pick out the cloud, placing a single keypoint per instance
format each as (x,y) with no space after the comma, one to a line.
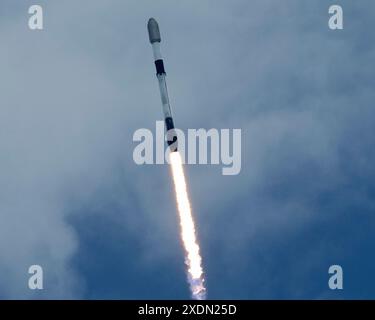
(73,201)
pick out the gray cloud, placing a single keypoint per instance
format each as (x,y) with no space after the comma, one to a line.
(73,94)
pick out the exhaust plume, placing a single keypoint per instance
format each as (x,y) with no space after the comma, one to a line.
(193,259)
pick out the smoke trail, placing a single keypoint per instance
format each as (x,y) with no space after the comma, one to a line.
(193,259)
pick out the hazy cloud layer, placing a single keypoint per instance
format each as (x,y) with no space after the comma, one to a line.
(72,199)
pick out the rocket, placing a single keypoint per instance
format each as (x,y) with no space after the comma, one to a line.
(155,39)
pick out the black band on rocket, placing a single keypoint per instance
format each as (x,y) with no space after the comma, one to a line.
(159,66)
(171,134)
(169,123)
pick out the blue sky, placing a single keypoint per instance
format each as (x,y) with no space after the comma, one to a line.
(73,200)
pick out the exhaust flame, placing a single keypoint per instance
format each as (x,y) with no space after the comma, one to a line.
(193,259)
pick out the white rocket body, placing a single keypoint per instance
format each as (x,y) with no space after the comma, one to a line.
(155,39)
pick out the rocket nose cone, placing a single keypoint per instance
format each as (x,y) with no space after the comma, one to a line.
(153,31)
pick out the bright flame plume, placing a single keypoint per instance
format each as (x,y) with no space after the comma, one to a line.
(193,259)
